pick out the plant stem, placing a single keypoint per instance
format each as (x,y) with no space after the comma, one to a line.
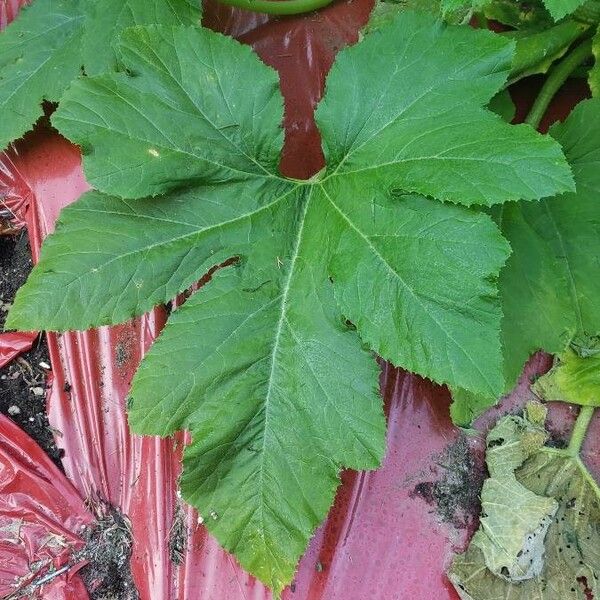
(580,429)
(559,74)
(278,7)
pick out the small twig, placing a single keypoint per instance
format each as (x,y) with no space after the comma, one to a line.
(36,583)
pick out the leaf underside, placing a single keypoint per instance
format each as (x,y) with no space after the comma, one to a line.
(262,365)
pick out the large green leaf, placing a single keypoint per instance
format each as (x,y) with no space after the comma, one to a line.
(177,122)
(417,251)
(434,138)
(278,396)
(550,285)
(273,382)
(52,41)
(128,256)
(108,18)
(40,54)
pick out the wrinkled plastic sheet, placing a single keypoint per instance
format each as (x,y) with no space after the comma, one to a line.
(13,344)
(41,517)
(390,534)
(9,9)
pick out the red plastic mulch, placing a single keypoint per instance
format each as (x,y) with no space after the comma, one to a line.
(41,516)
(13,344)
(391,533)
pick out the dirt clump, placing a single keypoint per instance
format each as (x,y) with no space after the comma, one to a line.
(455,495)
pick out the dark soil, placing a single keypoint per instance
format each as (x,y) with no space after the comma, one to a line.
(23,398)
(455,494)
(15,264)
(23,382)
(108,549)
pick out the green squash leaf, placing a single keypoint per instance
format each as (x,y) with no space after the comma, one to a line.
(573,378)
(176,122)
(51,42)
(549,286)
(106,19)
(434,138)
(405,248)
(540,533)
(278,396)
(276,387)
(40,54)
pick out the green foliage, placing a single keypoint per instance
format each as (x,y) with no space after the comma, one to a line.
(573,378)
(503,105)
(53,41)
(561,8)
(39,57)
(385,11)
(536,52)
(106,19)
(550,283)
(276,386)
(529,16)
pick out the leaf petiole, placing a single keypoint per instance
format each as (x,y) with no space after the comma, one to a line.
(278,7)
(556,79)
(580,429)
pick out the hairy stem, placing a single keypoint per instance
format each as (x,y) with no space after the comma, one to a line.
(279,7)
(559,74)
(580,429)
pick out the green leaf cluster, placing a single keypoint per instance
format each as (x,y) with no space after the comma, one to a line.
(398,247)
